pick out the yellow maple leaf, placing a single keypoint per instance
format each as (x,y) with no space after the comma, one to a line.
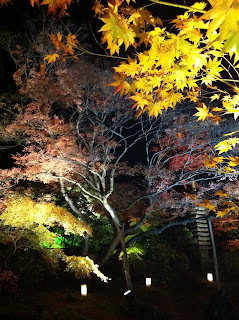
(220,214)
(231,104)
(220,194)
(167,59)
(226,145)
(212,163)
(129,69)
(202,112)
(141,100)
(117,31)
(213,67)
(199,5)
(224,15)
(154,109)
(192,83)
(234,111)
(234,161)
(229,170)
(215,97)
(113,46)
(121,84)
(207,204)
(174,98)
(112,27)
(232,42)
(179,74)
(51,57)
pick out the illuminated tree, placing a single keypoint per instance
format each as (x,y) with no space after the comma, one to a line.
(167,67)
(74,132)
(78,136)
(192,61)
(25,224)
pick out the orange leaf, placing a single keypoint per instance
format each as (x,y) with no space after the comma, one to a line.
(2,2)
(179,134)
(191,196)
(118,88)
(54,5)
(199,204)
(212,163)
(208,205)
(42,69)
(32,2)
(220,194)
(217,109)
(215,119)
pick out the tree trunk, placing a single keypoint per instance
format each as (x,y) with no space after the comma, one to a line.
(125,261)
(113,245)
(120,230)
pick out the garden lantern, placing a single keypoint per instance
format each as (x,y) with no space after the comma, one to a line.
(84,290)
(210,277)
(148,282)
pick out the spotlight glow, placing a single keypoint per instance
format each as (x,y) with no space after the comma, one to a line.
(210,277)
(148,282)
(84,290)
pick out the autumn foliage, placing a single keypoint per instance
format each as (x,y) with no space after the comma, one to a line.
(31,222)
(75,132)
(168,67)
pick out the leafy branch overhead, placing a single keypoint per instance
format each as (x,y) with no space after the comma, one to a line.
(220,204)
(174,66)
(165,65)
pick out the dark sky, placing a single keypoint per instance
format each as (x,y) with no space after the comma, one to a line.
(14,17)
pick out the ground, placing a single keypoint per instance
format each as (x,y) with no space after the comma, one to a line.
(62,300)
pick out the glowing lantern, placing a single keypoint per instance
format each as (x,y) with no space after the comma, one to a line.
(148,282)
(84,290)
(210,277)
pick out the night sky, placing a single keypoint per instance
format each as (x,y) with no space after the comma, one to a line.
(14,18)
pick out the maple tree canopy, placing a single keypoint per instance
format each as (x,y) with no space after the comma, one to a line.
(165,66)
(174,66)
